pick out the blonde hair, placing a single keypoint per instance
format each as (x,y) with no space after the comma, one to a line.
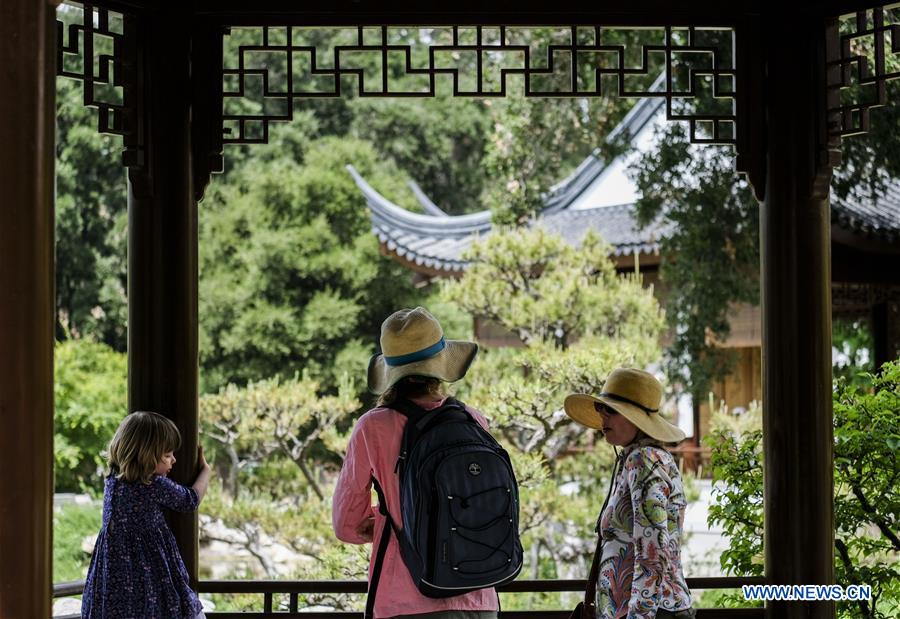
(139,444)
(412,387)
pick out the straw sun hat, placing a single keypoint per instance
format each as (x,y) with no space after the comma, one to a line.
(413,344)
(636,395)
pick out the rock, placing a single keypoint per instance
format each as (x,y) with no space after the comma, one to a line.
(88,543)
(66,606)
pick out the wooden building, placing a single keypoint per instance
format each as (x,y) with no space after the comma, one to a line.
(784,77)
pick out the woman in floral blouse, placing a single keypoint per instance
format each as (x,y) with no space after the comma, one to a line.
(640,575)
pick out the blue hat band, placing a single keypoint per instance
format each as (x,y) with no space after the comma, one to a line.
(419,355)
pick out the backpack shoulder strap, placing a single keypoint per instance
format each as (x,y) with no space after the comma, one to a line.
(411,431)
(420,420)
(382,550)
(453,406)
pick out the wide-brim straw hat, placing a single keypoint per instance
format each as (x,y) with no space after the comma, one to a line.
(633,393)
(413,344)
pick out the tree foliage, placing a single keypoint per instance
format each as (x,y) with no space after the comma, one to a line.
(866,493)
(290,420)
(852,350)
(576,320)
(867,489)
(535,284)
(710,251)
(91,220)
(90,397)
(869,162)
(438,143)
(711,254)
(276,446)
(534,144)
(737,460)
(291,279)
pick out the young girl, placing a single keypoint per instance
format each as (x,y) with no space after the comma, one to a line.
(136,570)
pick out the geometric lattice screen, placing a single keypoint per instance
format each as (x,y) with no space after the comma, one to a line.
(267,70)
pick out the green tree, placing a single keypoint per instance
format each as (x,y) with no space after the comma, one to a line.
(736,459)
(290,419)
(866,493)
(90,399)
(710,253)
(576,320)
(439,143)
(72,523)
(544,290)
(536,142)
(276,446)
(711,256)
(291,276)
(91,220)
(852,349)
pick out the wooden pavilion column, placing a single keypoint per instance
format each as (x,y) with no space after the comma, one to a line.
(162,250)
(28,61)
(796,306)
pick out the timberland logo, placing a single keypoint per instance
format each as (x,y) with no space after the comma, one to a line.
(474,469)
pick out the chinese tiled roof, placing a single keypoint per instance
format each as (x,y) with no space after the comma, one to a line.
(435,242)
(876,217)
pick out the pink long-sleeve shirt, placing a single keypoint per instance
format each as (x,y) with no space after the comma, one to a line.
(372,453)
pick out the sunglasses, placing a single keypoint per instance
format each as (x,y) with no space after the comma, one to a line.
(604,409)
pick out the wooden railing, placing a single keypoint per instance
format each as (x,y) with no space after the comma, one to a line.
(268,589)
(693,459)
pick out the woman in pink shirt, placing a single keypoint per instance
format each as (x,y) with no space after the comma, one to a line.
(415,363)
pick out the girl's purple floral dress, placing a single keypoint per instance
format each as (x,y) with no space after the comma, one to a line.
(136,570)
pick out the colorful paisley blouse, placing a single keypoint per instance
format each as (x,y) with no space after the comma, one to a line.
(640,569)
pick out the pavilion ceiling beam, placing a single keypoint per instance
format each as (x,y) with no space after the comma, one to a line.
(640,13)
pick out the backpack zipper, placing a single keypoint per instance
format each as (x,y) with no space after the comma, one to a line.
(402,456)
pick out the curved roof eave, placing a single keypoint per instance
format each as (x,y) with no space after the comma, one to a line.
(428,206)
(398,217)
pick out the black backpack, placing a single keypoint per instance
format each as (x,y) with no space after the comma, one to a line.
(459,504)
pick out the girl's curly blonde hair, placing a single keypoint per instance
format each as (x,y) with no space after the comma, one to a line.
(139,444)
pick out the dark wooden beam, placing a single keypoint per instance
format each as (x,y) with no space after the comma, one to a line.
(27,106)
(796,306)
(419,16)
(162,250)
(523,12)
(638,13)
(852,264)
